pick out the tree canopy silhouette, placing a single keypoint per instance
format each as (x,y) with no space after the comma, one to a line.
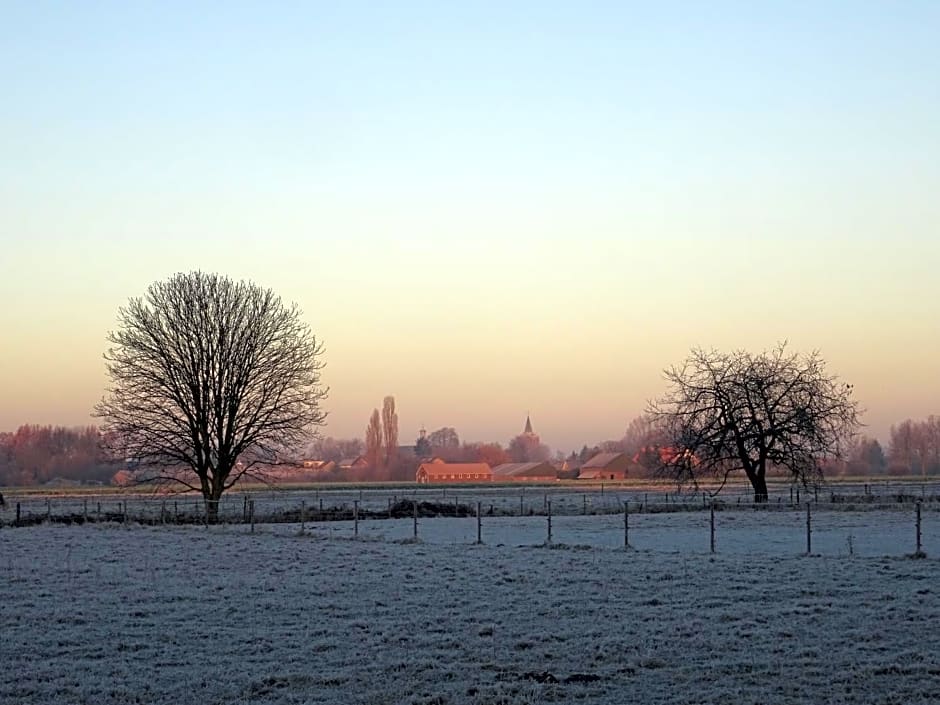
(211,380)
(743,412)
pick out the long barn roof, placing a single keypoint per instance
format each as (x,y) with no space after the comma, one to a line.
(435,469)
(601,460)
(521,469)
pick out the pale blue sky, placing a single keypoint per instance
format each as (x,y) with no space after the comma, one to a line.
(484,208)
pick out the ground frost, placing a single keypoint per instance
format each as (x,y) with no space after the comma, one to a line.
(108,615)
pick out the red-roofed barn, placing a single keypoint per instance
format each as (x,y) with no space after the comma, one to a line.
(437,471)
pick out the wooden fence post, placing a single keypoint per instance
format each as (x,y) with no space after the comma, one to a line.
(17,513)
(99,511)
(85,509)
(251,514)
(809,531)
(303,516)
(918,529)
(48,510)
(356,518)
(626,526)
(415,505)
(713,529)
(479,525)
(549,506)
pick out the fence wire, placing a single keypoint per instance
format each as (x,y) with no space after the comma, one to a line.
(864,519)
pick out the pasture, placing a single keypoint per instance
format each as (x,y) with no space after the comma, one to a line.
(123,613)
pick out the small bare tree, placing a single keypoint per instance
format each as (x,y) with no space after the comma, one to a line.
(742,412)
(211,381)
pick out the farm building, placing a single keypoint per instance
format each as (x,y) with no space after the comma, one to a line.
(437,471)
(606,466)
(525,472)
(319,465)
(353,463)
(652,457)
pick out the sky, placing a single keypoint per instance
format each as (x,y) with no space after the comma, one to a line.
(483,209)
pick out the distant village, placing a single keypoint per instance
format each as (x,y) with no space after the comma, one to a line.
(445,462)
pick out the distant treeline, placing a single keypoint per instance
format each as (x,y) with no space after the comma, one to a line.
(36,455)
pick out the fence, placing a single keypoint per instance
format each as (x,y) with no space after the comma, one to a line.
(863,519)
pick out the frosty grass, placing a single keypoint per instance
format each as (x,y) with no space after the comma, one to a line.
(107,614)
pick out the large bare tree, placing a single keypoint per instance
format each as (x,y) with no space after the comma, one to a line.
(743,412)
(390,430)
(445,437)
(374,440)
(211,380)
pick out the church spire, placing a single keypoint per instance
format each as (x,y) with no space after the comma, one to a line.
(528,424)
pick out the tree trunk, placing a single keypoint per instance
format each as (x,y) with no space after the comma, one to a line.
(213,495)
(212,510)
(759,483)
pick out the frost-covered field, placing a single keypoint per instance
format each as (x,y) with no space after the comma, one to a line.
(743,532)
(113,614)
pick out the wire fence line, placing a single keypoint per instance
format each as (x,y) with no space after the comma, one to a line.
(884,519)
(272,505)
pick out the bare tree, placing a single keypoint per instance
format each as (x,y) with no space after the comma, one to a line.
(641,434)
(335,449)
(445,437)
(374,440)
(731,412)
(915,446)
(903,447)
(211,380)
(864,456)
(390,430)
(527,449)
